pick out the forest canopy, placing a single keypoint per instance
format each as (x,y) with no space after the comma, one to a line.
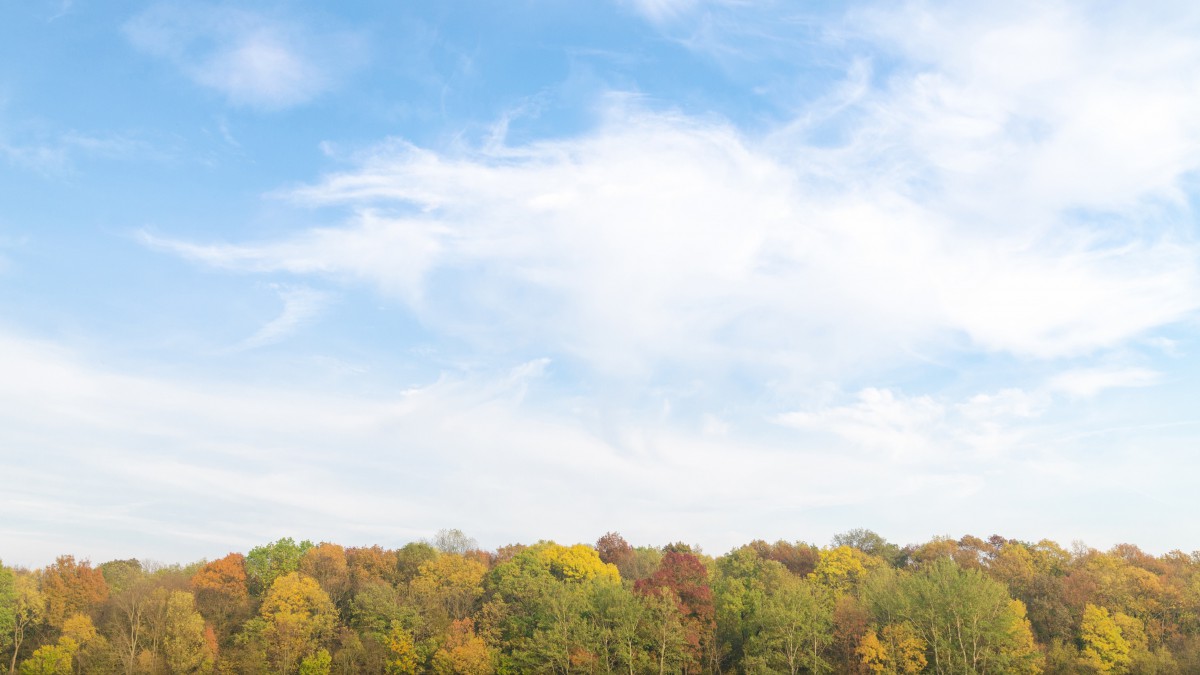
(857,605)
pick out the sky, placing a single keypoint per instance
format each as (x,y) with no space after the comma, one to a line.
(698,270)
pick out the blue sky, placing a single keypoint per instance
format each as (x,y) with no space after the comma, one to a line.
(685,269)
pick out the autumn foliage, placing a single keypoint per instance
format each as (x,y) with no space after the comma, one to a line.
(860,605)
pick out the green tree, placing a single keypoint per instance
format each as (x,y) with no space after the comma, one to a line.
(617,613)
(316,664)
(795,627)
(968,622)
(28,611)
(664,632)
(55,659)
(121,574)
(266,563)
(870,543)
(8,607)
(184,647)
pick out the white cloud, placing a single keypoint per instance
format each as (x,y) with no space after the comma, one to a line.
(879,421)
(300,305)
(663,239)
(254,59)
(1088,382)
(393,253)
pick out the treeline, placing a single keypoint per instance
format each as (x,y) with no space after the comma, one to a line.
(859,605)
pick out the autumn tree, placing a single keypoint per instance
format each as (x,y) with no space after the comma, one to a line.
(402,657)
(841,569)
(221,593)
(448,587)
(371,564)
(1105,649)
(71,587)
(327,564)
(52,659)
(614,550)
(76,647)
(686,579)
(799,558)
(299,616)
(896,650)
(90,652)
(462,652)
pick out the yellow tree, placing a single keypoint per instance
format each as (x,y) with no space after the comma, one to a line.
(78,642)
(299,615)
(841,569)
(1105,650)
(896,650)
(55,659)
(90,646)
(447,588)
(403,658)
(575,563)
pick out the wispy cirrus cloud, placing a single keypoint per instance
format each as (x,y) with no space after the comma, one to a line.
(1028,205)
(253,58)
(662,238)
(300,306)
(60,153)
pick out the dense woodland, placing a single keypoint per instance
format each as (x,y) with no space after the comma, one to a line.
(859,605)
